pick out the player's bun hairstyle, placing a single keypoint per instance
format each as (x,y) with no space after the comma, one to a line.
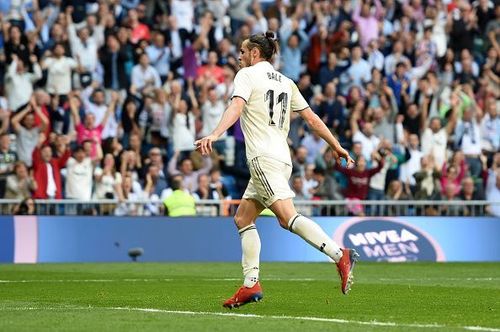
(266,43)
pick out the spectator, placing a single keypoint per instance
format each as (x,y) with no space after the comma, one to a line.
(217,185)
(211,111)
(94,103)
(159,54)
(59,68)
(108,182)
(331,71)
(427,180)
(470,192)
(367,23)
(88,130)
(331,109)
(359,72)
(314,145)
(79,171)
(396,192)
(160,119)
(468,140)
(297,185)
(114,60)
(490,127)
(211,71)
(327,187)
(159,182)
(493,192)
(179,203)
(139,31)
(145,77)
(294,42)
(359,177)
(299,160)
(183,123)
(412,165)
(435,137)
(369,142)
(27,132)
(84,46)
(453,173)
(189,176)
(21,184)
(394,58)
(130,205)
(8,159)
(47,170)
(19,82)
(26,208)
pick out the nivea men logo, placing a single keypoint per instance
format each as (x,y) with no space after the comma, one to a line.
(384,239)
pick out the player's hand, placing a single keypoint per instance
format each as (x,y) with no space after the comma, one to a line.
(342,153)
(204,145)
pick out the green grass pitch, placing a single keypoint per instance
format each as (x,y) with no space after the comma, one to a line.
(297,297)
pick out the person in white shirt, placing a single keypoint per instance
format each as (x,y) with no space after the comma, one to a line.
(183,122)
(490,127)
(493,192)
(159,119)
(369,141)
(159,55)
(59,68)
(211,111)
(394,58)
(264,99)
(107,180)
(144,76)
(19,82)
(83,46)
(79,171)
(413,165)
(468,140)
(435,137)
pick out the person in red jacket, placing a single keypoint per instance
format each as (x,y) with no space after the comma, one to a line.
(359,181)
(47,170)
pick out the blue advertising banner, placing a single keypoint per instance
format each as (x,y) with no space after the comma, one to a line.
(106,239)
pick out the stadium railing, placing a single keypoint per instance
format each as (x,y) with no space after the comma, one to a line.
(228,207)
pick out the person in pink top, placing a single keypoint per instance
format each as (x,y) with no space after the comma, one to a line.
(367,23)
(88,131)
(453,173)
(140,31)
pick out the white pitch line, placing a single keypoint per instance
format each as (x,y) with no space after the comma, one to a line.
(275,317)
(234,279)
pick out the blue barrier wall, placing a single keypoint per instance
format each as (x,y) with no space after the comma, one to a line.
(100,239)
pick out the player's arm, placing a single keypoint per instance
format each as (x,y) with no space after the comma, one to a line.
(314,122)
(229,117)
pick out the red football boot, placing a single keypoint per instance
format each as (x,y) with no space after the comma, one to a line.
(244,295)
(345,267)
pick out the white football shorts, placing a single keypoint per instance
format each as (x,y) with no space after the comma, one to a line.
(268,180)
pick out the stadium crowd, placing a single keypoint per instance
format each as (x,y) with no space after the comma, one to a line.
(104,99)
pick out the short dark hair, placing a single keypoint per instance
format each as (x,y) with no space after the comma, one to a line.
(176,182)
(266,43)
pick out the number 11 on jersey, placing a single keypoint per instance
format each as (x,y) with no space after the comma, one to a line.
(283,100)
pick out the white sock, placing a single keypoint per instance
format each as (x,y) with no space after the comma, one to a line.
(315,236)
(250,246)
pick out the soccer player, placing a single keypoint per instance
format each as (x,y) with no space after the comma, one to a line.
(264,99)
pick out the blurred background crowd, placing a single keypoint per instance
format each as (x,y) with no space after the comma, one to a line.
(104,99)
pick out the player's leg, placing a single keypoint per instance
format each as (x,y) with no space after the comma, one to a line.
(315,236)
(306,228)
(244,219)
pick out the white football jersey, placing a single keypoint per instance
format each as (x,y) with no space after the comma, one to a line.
(270,97)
